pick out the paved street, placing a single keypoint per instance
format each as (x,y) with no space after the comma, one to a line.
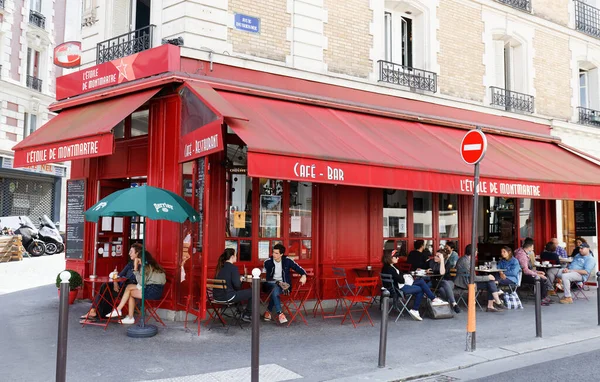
(321,351)
(30,273)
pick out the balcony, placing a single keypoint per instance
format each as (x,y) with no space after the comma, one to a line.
(34,83)
(587,19)
(512,101)
(1,4)
(522,5)
(37,19)
(124,45)
(589,116)
(415,79)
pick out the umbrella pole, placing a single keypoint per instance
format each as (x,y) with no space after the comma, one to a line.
(141,330)
(144,276)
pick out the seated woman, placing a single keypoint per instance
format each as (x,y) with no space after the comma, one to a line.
(155,282)
(437,265)
(234,292)
(103,303)
(511,264)
(550,254)
(417,289)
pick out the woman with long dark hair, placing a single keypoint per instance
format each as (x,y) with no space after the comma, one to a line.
(234,292)
(155,281)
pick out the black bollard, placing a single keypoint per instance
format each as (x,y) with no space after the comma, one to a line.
(63,328)
(385,302)
(538,308)
(598,295)
(255,323)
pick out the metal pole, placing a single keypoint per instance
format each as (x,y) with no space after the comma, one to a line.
(63,328)
(255,324)
(143,323)
(598,295)
(538,307)
(385,302)
(471,330)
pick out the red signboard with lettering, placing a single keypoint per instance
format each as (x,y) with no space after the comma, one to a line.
(97,145)
(205,140)
(164,58)
(367,175)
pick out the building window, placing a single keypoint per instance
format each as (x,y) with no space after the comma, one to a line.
(36,5)
(583,88)
(29,124)
(589,97)
(32,80)
(300,210)
(406,47)
(587,17)
(395,208)
(238,199)
(448,216)
(526,219)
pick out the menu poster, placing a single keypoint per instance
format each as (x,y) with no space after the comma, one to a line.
(75,219)
(585,218)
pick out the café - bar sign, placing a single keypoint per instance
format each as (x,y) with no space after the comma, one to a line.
(164,58)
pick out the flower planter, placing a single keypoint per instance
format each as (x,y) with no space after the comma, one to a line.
(72,295)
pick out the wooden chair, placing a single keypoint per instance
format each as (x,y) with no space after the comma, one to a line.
(220,308)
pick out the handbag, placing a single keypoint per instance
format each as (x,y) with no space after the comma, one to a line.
(512,300)
(436,312)
(408,279)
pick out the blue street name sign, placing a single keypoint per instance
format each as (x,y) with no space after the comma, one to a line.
(247,23)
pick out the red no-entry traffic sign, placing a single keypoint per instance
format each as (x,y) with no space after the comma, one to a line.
(473,146)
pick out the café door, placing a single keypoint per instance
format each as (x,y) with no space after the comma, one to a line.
(112,234)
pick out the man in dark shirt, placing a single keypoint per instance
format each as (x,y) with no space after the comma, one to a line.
(416,258)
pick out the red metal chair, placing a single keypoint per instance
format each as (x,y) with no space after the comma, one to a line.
(151,306)
(294,303)
(362,297)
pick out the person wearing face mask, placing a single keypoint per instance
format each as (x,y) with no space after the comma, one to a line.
(525,255)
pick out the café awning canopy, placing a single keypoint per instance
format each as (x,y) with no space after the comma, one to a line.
(80,132)
(296,141)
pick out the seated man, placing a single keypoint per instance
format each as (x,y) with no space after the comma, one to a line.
(578,271)
(279,280)
(550,253)
(560,251)
(525,261)
(417,257)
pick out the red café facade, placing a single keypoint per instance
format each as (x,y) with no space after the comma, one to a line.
(335,174)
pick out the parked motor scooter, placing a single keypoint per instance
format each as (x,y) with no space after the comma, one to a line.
(50,235)
(30,237)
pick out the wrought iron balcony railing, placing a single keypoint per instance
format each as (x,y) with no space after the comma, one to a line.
(523,5)
(589,116)
(406,76)
(511,100)
(587,19)
(34,83)
(124,45)
(37,19)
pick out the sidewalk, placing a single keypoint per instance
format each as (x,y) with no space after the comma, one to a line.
(324,350)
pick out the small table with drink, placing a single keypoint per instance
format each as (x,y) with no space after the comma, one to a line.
(105,296)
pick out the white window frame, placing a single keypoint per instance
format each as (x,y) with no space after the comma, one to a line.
(36,5)
(29,120)
(584,89)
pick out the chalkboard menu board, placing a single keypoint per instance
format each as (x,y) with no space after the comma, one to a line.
(75,219)
(200,198)
(585,218)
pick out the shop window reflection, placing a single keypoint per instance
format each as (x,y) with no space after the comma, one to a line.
(448,215)
(394,213)
(139,123)
(526,219)
(423,214)
(300,224)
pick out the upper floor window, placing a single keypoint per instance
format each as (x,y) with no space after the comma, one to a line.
(589,97)
(407,50)
(29,124)
(36,5)
(587,17)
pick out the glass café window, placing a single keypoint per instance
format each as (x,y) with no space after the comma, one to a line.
(238,228)
(498,220)
(135,125)
(448,217)
(270,215)
(395,204)
(300,210)
(526,219)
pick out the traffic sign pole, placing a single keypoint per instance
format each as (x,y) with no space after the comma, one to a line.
(472,150)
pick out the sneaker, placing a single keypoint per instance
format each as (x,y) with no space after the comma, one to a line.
(114,313)
(415,314)
(566,300)
(437,301)
(282,318)
(128,320)
(246,317)
(456,308)
(551,293)
(267,316)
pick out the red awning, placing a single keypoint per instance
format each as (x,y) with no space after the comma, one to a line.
(295,141)
(81,132)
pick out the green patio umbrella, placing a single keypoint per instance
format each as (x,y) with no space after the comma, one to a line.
(153,203)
